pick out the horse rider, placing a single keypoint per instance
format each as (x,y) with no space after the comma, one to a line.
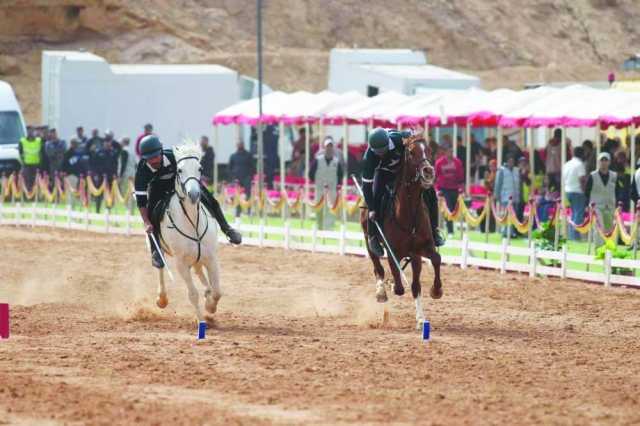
(381,162)
(155,182)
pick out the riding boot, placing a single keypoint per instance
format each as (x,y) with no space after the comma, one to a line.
(156,259)
(431,201)
(373,239)
(214,208)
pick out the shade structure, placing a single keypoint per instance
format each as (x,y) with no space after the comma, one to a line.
(573,106)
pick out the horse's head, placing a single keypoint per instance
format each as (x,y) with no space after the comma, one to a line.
(416,164)
(188,172)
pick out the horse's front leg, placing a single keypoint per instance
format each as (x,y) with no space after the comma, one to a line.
(162,301)
(213,292)
(416,289)
(194,297)
(398,287)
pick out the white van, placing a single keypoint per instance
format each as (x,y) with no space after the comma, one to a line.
(11,129)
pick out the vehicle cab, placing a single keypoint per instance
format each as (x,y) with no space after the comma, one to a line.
(12,129)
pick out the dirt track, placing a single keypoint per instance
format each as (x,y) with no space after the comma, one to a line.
(297,342)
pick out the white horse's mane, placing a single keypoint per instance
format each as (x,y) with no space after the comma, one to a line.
(187,149)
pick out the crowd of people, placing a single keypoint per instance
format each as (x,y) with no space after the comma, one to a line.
(606,180)
(99,156)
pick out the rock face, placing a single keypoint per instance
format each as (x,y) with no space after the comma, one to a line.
(506,42)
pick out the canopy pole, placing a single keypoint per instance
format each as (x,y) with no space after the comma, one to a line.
(437,135)
(532,153)
(597,137)
(345,172)
(260,148)
(426,130)
(468,162)
(563,160)
(216,137)
(455,140)
(307,159)
(632,141)
(499,158)
(281,149)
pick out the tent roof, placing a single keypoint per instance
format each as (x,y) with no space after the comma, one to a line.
(419,72)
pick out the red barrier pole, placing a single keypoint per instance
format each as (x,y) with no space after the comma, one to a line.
(4,320)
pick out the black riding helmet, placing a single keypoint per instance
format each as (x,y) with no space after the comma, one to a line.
(379,141)
(150,146)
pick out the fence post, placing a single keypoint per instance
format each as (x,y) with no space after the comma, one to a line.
(503,257)
(533,261)
(86,218)
(261,233)
(68,216)
(128,221)
(34,205)
(1,208)
(343,238)
(563,271)
(18,213)
(607,269)
(106,219)
(287,235)
(465,250)
(314,237)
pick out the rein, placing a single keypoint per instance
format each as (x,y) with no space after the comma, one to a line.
(406,183)
(198,238)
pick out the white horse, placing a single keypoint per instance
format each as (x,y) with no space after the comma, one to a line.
(190,235)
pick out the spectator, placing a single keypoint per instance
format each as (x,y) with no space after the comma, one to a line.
(449,179)
(507,187)
(54,149)
(31,149)
(601,191)
(126,165)
(326,171)
(623,184)
(206,162)
(148,129)
(490,176)
(635,186)
(109,138)
(298,154)
(241,168)
(103,164)
(475,151)
(510,148)
(81,138)
(553,161)
(270,137)
(95,142)
(574,177)
(525,186)
(72,165)
(589,156)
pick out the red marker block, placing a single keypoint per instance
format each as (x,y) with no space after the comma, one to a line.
(4,320)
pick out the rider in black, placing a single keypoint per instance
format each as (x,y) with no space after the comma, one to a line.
(381,163)
(155,181)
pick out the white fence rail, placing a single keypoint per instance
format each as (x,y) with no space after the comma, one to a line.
(342,242)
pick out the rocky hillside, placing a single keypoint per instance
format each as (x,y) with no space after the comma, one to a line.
(506,42)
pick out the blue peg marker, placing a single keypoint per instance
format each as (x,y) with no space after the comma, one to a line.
(426,330)
(202,328)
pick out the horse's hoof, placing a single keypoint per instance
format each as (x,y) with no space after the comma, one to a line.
(162,301)
(211,307)
(398,290)
(436,292)
(382,297)
(419,325)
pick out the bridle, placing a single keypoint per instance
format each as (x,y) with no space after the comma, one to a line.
(182,185)
(419,177)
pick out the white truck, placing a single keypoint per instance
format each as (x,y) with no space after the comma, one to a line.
(12,128)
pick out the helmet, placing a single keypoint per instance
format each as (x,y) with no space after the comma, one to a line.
(150,146)
(379,140)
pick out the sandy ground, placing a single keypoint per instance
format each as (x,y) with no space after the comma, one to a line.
(298,341)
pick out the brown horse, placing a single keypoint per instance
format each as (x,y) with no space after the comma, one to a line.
(407,226)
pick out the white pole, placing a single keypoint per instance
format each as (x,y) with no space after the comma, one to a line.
(345,172)
(281,146)
(426,130)
(532,163)
(563,160)
(633,159)
(468,162)
(499,145)
(597,137)
(216,136)
(455,140)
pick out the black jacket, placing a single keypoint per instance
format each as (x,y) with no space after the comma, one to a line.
(146,177)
